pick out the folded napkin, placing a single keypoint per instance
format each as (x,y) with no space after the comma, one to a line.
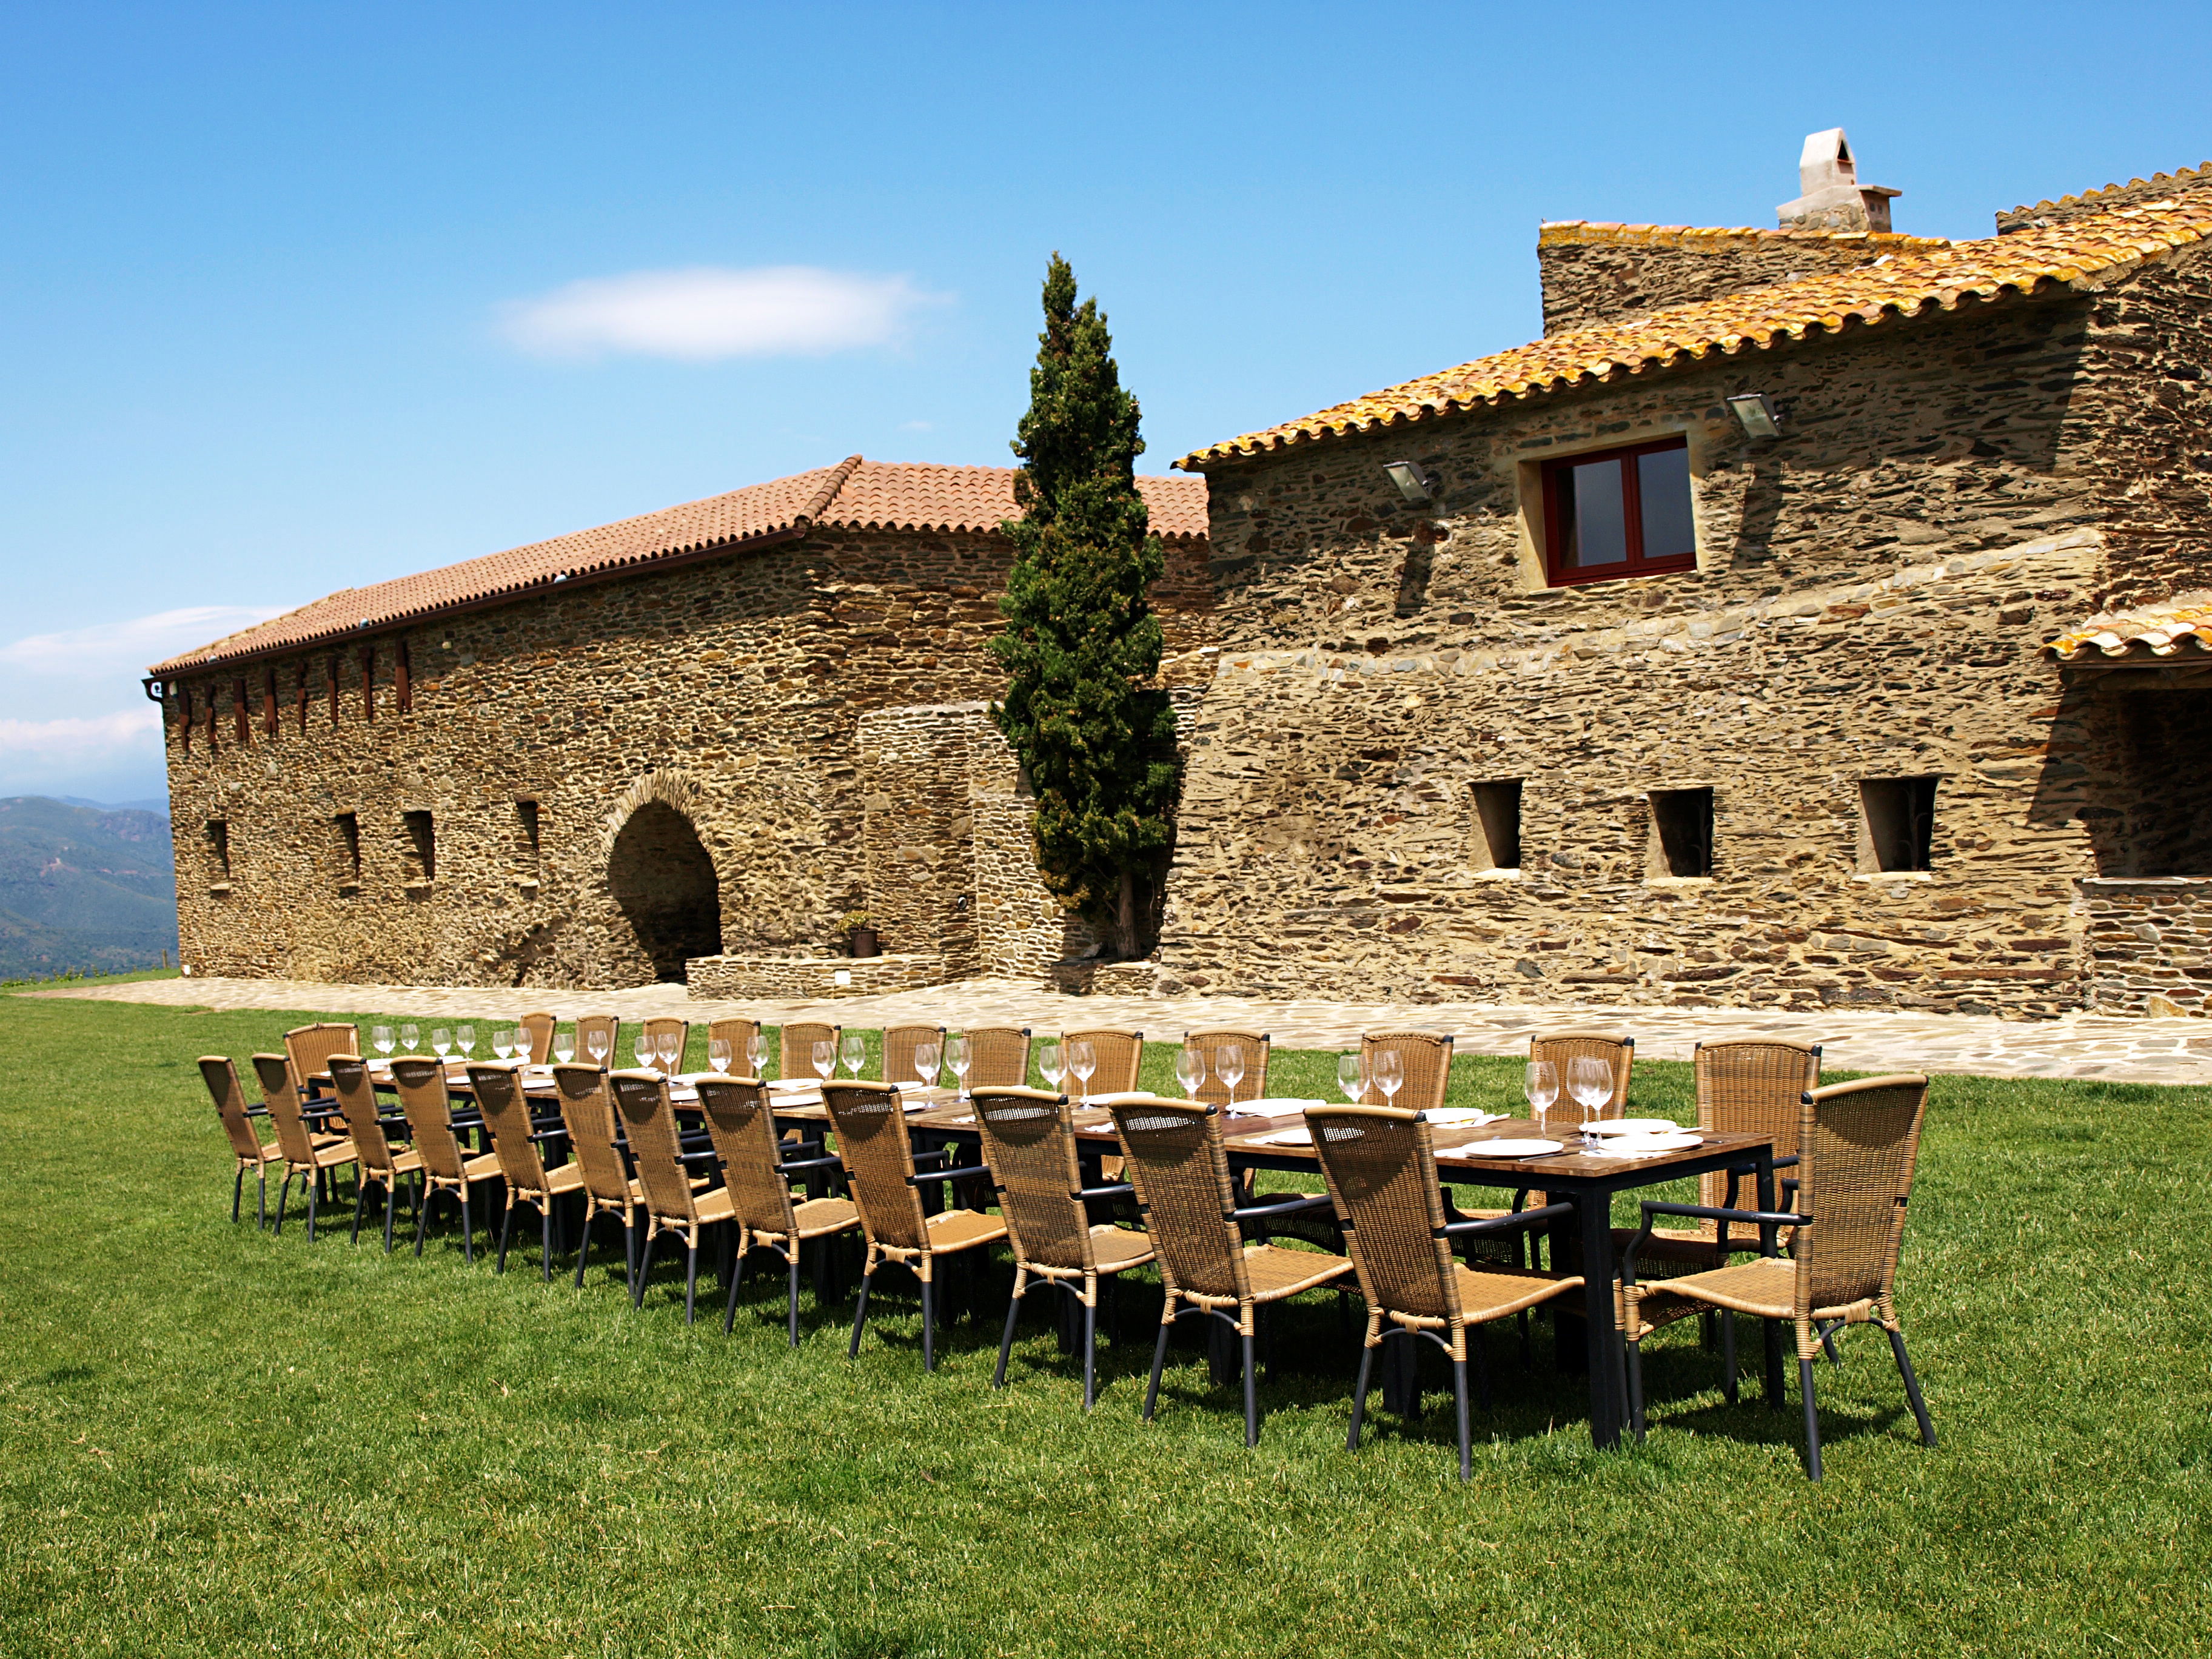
(1645,1145)
(1294,1137)
(1272,1106)
(785,1084)
(1447,1117)
(1112,1097)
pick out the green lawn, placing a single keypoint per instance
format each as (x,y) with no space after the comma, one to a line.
(215,1440)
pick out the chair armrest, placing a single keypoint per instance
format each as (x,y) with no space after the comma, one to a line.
(1503,1224)
(694,1158)
(791,1166)
(1119,1189)
(962,1172)
(934,1153)
(1294,1206)
(550,1134)
(257,1111)
(1705,1211)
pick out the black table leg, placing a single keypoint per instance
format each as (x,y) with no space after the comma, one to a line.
(1600,1338)
(1570,1346)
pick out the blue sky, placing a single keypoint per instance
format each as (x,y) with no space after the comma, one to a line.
(292,298)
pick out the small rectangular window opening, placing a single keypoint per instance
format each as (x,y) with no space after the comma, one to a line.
(1897,824)
(1497,823)
(422,848)
(1618,512)
(218,845)
(349,828)
(526,813)
(1682,832)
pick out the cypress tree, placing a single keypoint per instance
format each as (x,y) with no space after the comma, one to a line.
(1081,646)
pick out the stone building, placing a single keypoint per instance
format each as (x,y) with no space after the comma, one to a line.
(1734,642)
(688,740)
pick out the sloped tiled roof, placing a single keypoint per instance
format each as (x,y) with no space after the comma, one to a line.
(2171,630)
(2080,253)
(1561,233)
(2160,183)
(854,495)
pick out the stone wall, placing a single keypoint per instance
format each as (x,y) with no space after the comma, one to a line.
(2148,944)
(1595,273)
(729,691)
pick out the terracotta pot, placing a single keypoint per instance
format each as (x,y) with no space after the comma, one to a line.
(866,943)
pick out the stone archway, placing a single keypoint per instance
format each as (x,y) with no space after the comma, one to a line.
(660,877)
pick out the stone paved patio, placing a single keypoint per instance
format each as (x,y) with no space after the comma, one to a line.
(2082,1045)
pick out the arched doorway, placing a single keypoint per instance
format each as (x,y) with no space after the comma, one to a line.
(663,883)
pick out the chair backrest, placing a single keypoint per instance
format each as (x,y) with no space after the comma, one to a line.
(1029,1141)
(308,1050)
(739,1034)
(587,1112)
(899,1043)
(1754,1086)
(357,1100)
(539,1030)
(1856,1143)
(506,1108)
(662,1026)
(1616,1051)
(1120,1054)
(1381,1167)
(282,1096)
(872,1141)
(1426,1058)
(605,1025)
(796,1047)
(222,1078)
(998,1056)
(421,1087)
(1252,1045)
(1172,1155)
(648,1118)
(743,1127)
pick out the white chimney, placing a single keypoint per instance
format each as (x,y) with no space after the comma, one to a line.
(1834,199)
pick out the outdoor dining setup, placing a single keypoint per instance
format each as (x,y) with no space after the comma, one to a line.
(996,1144)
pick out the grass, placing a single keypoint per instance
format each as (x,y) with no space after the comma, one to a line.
(215,1440)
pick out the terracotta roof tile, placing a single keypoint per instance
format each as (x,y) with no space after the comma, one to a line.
(856,494)
(2079,253)
(1564,233)
(2170,630)
(2181,179)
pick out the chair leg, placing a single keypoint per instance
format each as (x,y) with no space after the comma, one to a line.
(506,1221)
(283,1195)
(1812,1420)
(791,1291)
(644,1267)
(261,1204)
(1251,1397)
(1006,1342)
(1090,1352)
(690,1279)
(1912,1387)
(584,1245)
(358,1206)
(928,1325)
(545,1236)
(421,1213)
(314,1193)
(468,1229)
(1160,1364)
(631,1279)
(1636,1390)
(1828,1343)
(1459,1399)
(237,1193)
(737,1277)
(1728,1355)
(1359,1398)
(391,1202)
(860,1316)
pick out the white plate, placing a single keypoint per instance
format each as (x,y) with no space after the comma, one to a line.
(1510,1148)
(1107,1097)
(786,1084)
(1272,1106)
(1635,1126)
(911,1085)
(1293,1136)
(1450,1115)
(1648,1145)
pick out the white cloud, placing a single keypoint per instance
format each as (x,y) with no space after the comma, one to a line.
(916,425)
(81,743)
(705,313)
(110,650)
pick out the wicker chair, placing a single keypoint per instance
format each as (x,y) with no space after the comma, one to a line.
(1857,1143)
(879,1162)
(1121,1056)
(515,1141)
(1617,1052)
(899,1043)
(588,1114)
(739,1034)
(757,1176)
(674,1200)
(1029,1144)
(380,1163)
(307,1051)
(246,1148)
(1426,1058)
(447,1166)
(308,1155)
(1173,1157)
(1253,1045)
(538,1029)
(998,1057)
(796,1047)
(663,1025)
(1381,1167)
(605,1025)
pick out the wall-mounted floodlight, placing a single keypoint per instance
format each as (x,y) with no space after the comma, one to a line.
(1754,411)
(1415,484)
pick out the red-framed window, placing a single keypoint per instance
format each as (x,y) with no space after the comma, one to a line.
(1618,512)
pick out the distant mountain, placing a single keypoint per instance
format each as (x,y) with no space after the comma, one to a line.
(83,887)
(155,804)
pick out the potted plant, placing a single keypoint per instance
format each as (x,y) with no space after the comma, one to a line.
(860,934)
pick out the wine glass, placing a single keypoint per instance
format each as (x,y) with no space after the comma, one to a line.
(410,1040)
(669,1048)
(1351,1078)
(853,1050)
(1541,1084)
(465,1041)
(1082,1060)
(958,1059)
(596,1046)
(1229,1066)
(825,1058)
(1190,1069)
(1589,1081)
(564,1046)
(644,1051)
(926,1056)
(1052,1065)
(1390,1070)
(380,1038)
(717,1053)
(757,1052)
(503,1043)
(441,1042)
